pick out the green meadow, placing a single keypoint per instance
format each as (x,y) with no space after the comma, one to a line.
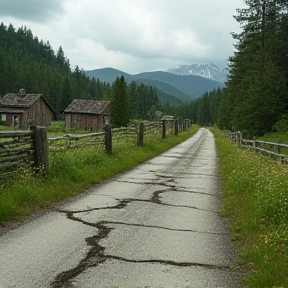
(255,196)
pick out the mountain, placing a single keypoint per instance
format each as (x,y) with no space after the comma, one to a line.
(191,85)
(183,87)
(108,75)
(209,71)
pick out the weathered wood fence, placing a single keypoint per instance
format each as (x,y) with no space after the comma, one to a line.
(26,149)
(276,151)
(22,149)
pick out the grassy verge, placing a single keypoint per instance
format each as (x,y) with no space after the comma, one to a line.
(279,137)
(71,172)
(255,192)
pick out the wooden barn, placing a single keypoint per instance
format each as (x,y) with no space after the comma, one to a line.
(20,110)
(87,114)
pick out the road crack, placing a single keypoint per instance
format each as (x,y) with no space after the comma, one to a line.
(156,199)
(96,254)
(173,263)
(94,257)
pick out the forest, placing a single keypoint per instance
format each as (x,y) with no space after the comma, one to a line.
(26,62)
(255,100)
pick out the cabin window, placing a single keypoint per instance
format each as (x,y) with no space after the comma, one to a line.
(106,120)
(3,117)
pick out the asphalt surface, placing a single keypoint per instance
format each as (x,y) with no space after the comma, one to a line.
(156,226)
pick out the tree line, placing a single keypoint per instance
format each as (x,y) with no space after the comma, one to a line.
(255,99)
(29,63)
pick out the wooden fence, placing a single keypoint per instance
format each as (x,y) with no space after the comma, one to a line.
(276,151)
(22,149)
(26,149)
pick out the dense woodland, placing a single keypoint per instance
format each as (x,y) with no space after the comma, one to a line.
(254,101)
(29,63)
(256,98)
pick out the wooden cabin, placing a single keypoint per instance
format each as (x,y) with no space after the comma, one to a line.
(89,115)
(20,110)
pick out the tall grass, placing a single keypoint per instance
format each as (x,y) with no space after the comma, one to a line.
(73,171)
(279,137)
(255,193)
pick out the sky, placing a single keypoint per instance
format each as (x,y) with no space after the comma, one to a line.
(133,36)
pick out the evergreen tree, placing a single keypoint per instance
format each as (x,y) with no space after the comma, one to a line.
(133,100)
(257,91)
(119,106)
(66,95)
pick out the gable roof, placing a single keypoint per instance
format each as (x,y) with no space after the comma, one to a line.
(15,100)
(87,106)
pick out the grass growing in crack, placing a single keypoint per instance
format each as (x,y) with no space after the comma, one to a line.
(255,191)
(73,171)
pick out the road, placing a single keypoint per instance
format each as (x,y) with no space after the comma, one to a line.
(157,225)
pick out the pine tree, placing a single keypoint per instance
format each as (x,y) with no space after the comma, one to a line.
(133,100)
(119,106)
(66,95)
(256,85)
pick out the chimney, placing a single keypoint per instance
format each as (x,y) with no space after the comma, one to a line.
(22,93)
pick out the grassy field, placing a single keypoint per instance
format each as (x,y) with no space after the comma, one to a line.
(71,172)
(255,194)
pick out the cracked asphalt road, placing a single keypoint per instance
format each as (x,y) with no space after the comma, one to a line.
(157,225)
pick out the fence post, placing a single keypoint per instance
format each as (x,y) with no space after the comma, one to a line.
(163,129)
(176,126)
(108,139)
(140,140)
(40,147)
(278,149)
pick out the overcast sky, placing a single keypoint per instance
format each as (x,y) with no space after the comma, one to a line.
(130,35)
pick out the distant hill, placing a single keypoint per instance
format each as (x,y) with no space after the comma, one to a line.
(183,87)
(108,75)
(191,85)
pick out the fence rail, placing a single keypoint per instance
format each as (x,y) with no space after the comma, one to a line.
(21,149)
(75,141)
(26,149)
(277,151)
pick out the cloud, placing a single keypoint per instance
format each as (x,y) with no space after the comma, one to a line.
(130,35)
(139,30)
(32,10)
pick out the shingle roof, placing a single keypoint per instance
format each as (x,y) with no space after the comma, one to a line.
(87,106)
(15,100)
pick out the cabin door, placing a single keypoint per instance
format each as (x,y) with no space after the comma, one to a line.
(16,122)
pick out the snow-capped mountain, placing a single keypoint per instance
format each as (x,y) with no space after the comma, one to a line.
(209,71)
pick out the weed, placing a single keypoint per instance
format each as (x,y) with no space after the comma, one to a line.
(255,193)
